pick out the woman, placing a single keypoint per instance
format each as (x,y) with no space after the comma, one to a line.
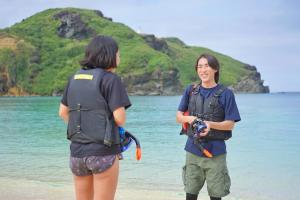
(93,105)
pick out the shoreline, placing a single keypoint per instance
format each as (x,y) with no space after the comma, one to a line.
(149,95)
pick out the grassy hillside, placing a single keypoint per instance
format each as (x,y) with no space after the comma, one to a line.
(40,61)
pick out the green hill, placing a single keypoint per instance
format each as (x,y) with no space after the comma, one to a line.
(38,55)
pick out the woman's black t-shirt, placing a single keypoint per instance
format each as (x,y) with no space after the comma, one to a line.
(113,90)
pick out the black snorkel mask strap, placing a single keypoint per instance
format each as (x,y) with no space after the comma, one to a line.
(138,153)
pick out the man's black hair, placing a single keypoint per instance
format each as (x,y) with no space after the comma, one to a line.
(212,62)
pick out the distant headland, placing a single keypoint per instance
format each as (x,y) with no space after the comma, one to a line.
(38,54)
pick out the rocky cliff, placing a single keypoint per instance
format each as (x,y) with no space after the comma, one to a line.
(156,83)
(72,26)
(251,83)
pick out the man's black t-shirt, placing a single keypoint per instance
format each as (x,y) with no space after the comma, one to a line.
(113,90)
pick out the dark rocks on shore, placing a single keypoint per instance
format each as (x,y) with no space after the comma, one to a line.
(251,83)
(3,83)
(155,83)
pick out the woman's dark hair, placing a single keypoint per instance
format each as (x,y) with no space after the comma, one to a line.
(100,53)
(212,62)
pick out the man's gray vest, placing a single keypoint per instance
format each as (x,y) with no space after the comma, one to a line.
(90,119)
(210,110)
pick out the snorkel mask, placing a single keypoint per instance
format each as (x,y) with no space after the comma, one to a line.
(126,140)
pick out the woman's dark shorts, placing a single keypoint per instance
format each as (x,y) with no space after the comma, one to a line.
(91,164)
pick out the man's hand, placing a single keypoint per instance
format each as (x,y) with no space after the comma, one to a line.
(181,118)
(191,119)
(205,131)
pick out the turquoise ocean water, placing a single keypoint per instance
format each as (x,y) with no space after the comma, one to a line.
(263,155)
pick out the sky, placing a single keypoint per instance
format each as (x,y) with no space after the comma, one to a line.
(263,33)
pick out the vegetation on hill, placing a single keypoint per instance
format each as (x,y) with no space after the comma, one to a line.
(37,59)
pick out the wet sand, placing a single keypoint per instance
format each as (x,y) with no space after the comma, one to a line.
(33,190)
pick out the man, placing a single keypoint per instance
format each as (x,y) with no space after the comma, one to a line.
(215,105)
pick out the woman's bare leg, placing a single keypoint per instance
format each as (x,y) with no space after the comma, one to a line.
(84,187)
(105,183)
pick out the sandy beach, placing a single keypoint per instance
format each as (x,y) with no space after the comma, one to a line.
(33,190)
